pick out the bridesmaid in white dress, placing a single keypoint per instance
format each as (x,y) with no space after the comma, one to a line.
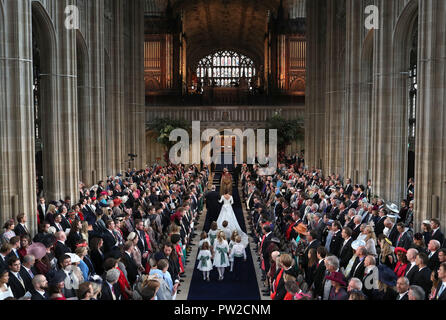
(5,290)
(221,258)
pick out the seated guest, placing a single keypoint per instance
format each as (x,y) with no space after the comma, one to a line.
(40,285)
(402,286)
(110,287)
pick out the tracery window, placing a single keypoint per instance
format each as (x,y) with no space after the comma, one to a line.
(225,69)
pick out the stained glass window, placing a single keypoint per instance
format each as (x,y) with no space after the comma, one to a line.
(225,69)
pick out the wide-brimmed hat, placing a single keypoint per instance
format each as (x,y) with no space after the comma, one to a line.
(393,207)
(358,243)
(300,228)
(74,257)
(387,276)
(37,249)
(337,277)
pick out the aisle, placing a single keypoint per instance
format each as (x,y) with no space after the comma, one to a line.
(228,289)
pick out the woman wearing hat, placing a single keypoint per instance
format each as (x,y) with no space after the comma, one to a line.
(137,256)
(56,285)
(386,283)
(401,265)
(338,284)
(386,257)
(418,243)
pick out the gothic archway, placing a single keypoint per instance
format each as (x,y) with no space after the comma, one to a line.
(44,96)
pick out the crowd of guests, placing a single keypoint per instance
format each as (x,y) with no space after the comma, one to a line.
(128,238)
(326,238)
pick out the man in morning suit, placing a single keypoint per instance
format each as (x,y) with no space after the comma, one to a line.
(412,267)
(346,252)
(441,289)
(423,276)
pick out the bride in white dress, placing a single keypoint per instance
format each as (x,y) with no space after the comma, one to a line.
(227,213)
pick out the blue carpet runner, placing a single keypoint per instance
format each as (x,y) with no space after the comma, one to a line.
(228,289)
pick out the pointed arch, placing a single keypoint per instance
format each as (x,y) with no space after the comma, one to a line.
(402,43)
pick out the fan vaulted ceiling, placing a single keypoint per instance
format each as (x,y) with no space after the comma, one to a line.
(210,25)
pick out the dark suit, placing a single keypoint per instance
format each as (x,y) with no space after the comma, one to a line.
(443,294)
(393,235)
(356,231)
(411,273)
(20,230)
(405,241)
(60,249)
(313,245)
(380,226)
(265,256)
(98,260)
(434,262)
(423,279)
(212,206)
(405,297)
(18,290)
(4,262)
(357,270)
(438,235)
(27,278)
(37,296)
(348,189)
(106,293)
(319,276)
(336,243)
(346,253)
(41,212)
(131,267)
(109,241)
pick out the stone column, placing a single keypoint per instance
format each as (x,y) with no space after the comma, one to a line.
(315,86)
(117,105)
(335,87)
(99,127)
(17,150)
(430,163)
(66,151)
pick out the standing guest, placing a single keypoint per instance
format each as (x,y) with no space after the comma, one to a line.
(435,281)
(418,243)
(122,283)
(136,253)
(9,231)
(311,266)
(402,263)
(97,255)
(82,252)
(441,287)
(346,251)
(25,241)
(436,232)
(386,283)
(129,262)
(370,240)
(40,285)
(402,286)
(110,287)
(5,289)
(403,240)
(285,266)
(213,232)
(15,243)
(386,257)
(426,231)
(74,236)
(337,291)
(16,282)
(412,267)
(21,228)
(60,247)
(422,277)
(28,271)
(204,261)
(433,247)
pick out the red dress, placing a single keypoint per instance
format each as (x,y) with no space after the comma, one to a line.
(400,269)
(123,284)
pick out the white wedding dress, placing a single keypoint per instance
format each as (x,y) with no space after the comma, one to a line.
(227,213)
